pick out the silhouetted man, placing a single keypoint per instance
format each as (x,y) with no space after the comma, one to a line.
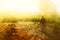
(43,21)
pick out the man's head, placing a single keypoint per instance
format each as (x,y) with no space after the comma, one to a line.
(42,16)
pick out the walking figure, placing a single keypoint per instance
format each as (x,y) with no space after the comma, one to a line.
(43,21)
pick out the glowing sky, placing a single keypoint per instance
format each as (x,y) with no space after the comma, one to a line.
(18,7)
(24,8)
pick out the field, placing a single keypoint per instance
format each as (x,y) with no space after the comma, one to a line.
(29,31)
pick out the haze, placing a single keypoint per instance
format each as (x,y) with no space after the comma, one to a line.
(28,8)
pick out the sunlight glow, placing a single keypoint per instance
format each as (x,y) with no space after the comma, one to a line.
(19,8)
(27,8)
(28,5)
(57,4)
(22,5)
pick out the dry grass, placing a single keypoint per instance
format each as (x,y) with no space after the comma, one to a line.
(26,31)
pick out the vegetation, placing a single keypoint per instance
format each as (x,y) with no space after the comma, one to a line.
(30,28)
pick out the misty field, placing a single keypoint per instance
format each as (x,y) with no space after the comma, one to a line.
(29,31)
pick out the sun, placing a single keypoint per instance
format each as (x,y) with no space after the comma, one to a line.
(28,5)
(23,6)
(20,8)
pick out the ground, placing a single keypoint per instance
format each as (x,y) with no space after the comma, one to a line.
(28,31)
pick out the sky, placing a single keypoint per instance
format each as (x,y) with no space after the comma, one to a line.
(28,8)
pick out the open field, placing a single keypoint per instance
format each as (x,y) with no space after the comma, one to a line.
(29,31)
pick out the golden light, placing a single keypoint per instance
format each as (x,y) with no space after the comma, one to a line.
(22,5)
(28,5)
(25,8)
(57,4)
(19,8)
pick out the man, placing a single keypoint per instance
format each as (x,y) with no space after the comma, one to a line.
(43,21)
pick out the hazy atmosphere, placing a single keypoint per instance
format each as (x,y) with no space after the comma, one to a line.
(28,8)
(29,19)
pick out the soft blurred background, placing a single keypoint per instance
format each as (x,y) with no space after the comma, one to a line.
(28,10)
(21,20)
